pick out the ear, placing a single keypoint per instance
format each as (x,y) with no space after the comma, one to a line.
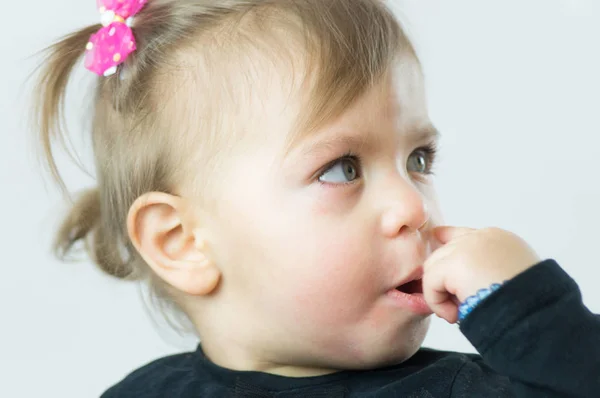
(163,232)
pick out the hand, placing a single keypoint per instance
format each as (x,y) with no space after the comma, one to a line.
(469,260)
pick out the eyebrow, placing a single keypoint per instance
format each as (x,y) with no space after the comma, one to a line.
(337,141)
(364,142)
(426,132)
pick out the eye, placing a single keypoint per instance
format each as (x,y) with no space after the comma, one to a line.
(421,160)
(342,171)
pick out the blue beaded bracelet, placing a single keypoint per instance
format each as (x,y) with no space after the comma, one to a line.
(473,301)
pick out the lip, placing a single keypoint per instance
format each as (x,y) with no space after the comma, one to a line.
(414,302)
(417,273)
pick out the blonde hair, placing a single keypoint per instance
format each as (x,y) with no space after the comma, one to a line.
(347,44)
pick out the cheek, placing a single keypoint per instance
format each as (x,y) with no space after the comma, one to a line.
(334,201)
(309,260)
(326,258)
(333,279)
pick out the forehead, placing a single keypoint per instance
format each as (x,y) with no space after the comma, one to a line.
(397,98)
(407,86)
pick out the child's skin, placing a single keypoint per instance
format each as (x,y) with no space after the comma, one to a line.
(469,260)
(290,272)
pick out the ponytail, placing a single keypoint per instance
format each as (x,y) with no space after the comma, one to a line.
(50,93)
(84,222)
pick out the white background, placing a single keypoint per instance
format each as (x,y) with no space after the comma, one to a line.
(513,85)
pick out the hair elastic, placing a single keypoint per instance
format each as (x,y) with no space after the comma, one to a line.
(111,45)
(473,301)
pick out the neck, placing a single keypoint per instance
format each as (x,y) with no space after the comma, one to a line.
(234,356)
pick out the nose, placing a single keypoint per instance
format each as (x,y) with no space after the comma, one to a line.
(405,209)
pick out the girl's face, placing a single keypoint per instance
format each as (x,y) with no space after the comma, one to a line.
(310,243)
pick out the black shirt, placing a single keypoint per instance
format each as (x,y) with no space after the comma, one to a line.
(535,337)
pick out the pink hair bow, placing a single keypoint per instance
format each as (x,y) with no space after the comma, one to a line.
(112,44)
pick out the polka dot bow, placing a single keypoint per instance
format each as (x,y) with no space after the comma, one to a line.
(112,44)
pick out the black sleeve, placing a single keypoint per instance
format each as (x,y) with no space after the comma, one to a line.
(536,331)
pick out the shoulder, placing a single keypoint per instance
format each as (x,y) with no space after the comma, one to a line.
(469,375)
(159,378)
(473,377)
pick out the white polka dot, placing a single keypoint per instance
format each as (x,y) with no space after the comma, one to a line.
(110,71)
(107,18)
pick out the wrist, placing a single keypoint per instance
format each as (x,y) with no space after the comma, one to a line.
(471,302)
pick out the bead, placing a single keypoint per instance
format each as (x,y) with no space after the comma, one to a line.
(473,301)
(483,293)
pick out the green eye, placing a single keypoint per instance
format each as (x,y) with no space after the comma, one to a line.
(420,161)
(343,171)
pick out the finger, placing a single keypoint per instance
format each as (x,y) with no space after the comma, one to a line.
(448,311)
(435,258)
(435,290)
(435,293)
(438,257)
(442,304)
(446,234)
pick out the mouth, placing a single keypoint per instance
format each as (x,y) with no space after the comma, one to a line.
(409,296)
(412,287)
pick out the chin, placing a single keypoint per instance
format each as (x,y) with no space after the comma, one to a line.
(386,351)
(400,356)
(402,346)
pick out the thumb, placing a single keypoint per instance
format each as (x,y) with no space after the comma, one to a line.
(446,234)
